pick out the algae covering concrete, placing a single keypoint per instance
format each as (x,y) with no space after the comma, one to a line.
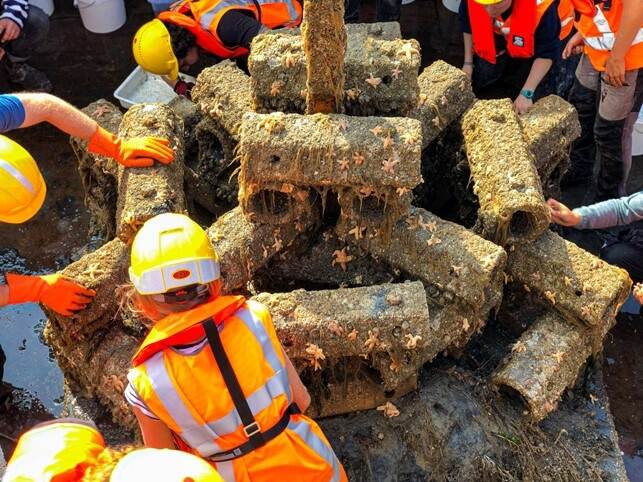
(380,79)
(445,93)
(98,173)
(546,359)
(579,285)
(324,43)
(512,207)
(223,93)
(451,261)
(146,192)
(244,247)
(388,321)
(378,30)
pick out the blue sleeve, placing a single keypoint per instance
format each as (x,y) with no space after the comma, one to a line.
(546,38)
(12,113)
(614,212)
(463,17)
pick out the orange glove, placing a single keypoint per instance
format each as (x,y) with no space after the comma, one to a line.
(53,290)
(137,152)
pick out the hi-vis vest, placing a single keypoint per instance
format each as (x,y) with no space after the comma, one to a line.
(518,29)
(189,394)
(598,25)
(206,14)
(60,451)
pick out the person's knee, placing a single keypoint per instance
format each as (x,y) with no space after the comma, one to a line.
(36,28)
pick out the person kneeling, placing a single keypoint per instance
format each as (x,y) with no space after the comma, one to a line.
(211,377)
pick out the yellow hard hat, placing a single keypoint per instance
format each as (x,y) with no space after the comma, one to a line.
(152,48)
(22,188)
(163,465)
(487,2)
(169,252)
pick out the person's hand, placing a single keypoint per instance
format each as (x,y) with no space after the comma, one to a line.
(468,69)
(637,291)
(62,295)
(137,152)
(522,104)
(614,71)
(2,52)
(574,46)
(561,214)
(143,151)
(9,30)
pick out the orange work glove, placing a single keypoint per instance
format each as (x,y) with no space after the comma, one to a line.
(53,290)
(137,152)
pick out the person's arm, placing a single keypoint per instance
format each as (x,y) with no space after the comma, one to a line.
(4,295)
(631,20)
(137,152)
(12,19)
(155,433)
(613,212)
(300,394)
(467,65)
(539,69)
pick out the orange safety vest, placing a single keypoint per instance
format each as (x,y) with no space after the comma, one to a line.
(60,451)
(599,26)
(191,396)
(518,29)
(205,16)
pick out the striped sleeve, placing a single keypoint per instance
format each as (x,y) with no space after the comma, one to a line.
(15,10)
(134,399)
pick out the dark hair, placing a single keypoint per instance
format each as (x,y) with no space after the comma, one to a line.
(182,40)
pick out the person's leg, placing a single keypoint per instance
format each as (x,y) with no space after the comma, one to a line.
(351,11)
(33,35)
(583,97)
(485,74)
(388,10)
(615,105)
(627,133)
(627,256)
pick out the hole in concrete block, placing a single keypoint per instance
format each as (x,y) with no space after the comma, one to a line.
(269,202)
(389,393)
(386,80)
(371,208)
(520,224)
(274,159)
(500,118)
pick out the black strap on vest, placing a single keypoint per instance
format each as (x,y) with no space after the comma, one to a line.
(256,438)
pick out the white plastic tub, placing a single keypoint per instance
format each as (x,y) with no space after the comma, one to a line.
(46,6)
(102,16)
(141,87)
(637,136)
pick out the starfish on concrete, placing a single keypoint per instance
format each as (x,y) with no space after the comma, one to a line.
(352,94)
(275,87)
(408,50)
(389,410)
(433,240)
(411,341)
(316,354)
(395,73)
(352,336)
(551,296)
(388,165)
(377,130)
(558,356)
(335,329)
(358,159)
(289,60)
(343,164)
(358,232)
(373,81)
(342,258)
(373,340)
(388,140)
(93,271)
(401,191)
(101,110)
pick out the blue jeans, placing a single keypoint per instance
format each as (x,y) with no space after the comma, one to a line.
(385,10)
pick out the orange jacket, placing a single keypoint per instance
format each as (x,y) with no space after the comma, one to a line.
(205,16)
(518,29)
(60,452)
(598,25)
(189,394)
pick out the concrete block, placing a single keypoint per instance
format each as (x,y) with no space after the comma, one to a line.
(512,207)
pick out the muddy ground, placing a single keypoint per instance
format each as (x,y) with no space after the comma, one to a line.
(84,67)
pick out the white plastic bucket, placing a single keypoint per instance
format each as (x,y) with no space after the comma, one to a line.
(102,16)
(637,136)
(46,6)
(452,5)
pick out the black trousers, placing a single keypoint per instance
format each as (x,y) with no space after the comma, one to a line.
(625,255)
(385,10)
(32,36)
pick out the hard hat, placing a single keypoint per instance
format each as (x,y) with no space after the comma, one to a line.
(487,2)
(61,450)
(22,188)
(152,48)
(163,465)
(169,252)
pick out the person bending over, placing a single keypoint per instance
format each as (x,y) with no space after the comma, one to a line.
(513,38)
(171,42)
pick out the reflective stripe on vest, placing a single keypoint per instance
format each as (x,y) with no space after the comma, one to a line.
(17,175)
(304,430)
(226,470)
(202,437)
(606,41)
(208,17)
